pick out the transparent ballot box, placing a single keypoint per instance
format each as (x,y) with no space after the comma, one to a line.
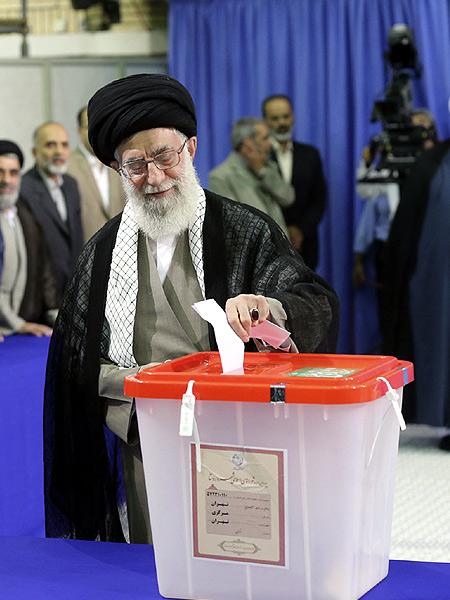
(285,488)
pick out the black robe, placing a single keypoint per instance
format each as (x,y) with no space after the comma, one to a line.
(244,251)
(400,261)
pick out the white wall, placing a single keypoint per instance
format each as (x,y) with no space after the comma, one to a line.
(35,90)
(87,44)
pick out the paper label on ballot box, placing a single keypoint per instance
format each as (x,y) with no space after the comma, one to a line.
(238,504)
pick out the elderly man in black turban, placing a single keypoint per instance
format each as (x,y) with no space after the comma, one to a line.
(129,303)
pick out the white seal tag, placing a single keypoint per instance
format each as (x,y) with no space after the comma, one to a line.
(394,398)
(187,411)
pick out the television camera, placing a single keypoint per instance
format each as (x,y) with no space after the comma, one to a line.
(395,149)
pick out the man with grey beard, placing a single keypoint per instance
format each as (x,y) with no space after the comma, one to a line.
(248,175)
(130,301)
(28,297)
(300,165)
(53,198)
(176,205)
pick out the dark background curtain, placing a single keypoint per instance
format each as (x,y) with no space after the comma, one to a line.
(327,55)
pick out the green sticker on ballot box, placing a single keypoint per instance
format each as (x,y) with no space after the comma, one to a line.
(322,372)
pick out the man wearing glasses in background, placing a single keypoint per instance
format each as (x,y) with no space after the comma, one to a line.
(129,303)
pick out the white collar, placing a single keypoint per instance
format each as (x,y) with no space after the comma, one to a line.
(51,182)
(163,251)
(279,149)
(10,214)
(91,158)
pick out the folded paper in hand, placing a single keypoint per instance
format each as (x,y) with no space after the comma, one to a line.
(270,333)
(231,347)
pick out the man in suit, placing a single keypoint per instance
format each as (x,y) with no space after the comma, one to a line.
(28,298)
(299,164)
(101,193)
(54,200)
(249,176)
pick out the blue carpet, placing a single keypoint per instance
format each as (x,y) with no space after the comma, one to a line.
(22,372)
(75,570)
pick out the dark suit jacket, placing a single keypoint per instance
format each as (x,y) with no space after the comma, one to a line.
(400,256)
(40,290)
(310,198)
(1,253)
(64,240)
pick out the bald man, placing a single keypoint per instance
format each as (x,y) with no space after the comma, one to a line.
(53,198)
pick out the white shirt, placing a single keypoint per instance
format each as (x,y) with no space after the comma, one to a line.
(285,159)
(54,188)
(100,173)
(10,215)
(163,251)
(371,191)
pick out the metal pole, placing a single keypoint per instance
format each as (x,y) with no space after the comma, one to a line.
(24,49)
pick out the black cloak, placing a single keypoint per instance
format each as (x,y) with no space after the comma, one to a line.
(400,262)
(401,251)
(244,251)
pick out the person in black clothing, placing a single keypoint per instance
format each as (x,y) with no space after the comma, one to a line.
(301,165)
(129,302)
(54,200)
(417,287)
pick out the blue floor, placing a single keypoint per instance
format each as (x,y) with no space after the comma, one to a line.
(22,371)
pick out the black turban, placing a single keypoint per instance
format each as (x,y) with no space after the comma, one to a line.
(135,103)
(8,147)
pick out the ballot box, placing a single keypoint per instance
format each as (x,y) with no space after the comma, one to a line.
(285,488)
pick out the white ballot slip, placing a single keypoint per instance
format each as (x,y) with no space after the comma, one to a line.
(231,347)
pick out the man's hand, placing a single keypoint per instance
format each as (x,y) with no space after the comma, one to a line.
(239,309)
(36,329)
(296,236)
(358,273)
(256,157)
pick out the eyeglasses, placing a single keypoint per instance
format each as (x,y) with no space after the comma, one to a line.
(134,169)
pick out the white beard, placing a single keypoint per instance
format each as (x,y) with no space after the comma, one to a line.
(8,200)
(56,169)
(168,216)
(283,137)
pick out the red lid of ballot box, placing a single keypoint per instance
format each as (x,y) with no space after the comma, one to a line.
(302,378)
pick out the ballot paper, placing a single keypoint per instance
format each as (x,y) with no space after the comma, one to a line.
(231,347)
(270,333)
